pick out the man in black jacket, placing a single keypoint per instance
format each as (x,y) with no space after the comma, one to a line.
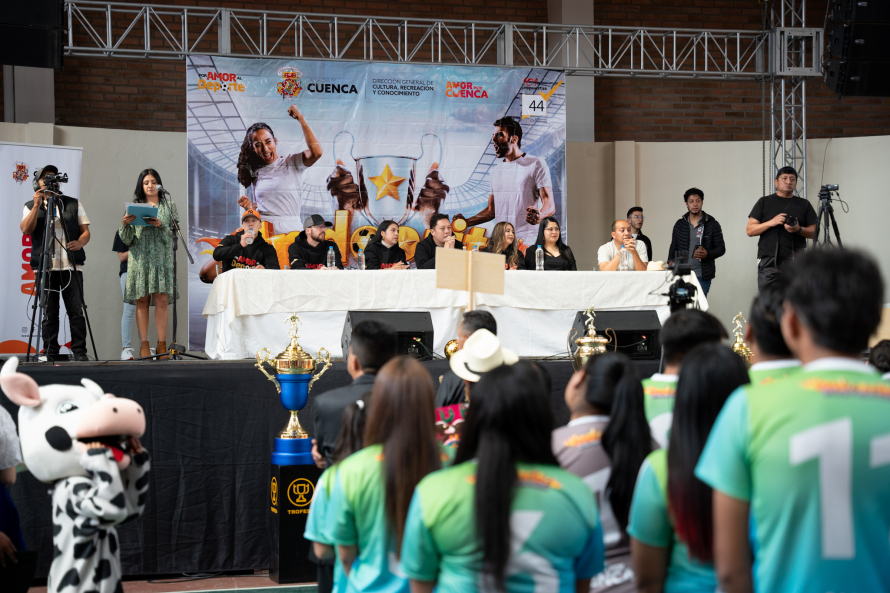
(700,236)
(247,248)
(373,344)
(635,220)
(440,236)
(309,251)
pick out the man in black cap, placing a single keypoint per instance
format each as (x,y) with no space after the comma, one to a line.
(783,222)
(309,250)
(70,233)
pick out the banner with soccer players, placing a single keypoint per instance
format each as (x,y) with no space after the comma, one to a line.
(397,142)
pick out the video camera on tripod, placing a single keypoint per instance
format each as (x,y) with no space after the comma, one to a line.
(825,216)
(681,294)
(51,181)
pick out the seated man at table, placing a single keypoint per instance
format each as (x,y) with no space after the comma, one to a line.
(452,389)
(440,236)
(372,345)
(609,255)
(247,248)
(309,251)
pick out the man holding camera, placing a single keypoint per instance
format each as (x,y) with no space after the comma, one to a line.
(71,232)
(783,222)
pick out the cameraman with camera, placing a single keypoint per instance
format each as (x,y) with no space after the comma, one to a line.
(70,221)
(783,222)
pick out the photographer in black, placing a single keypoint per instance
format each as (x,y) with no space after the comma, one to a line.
(783,222)
(71,222)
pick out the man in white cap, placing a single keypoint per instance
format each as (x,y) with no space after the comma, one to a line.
(482,352)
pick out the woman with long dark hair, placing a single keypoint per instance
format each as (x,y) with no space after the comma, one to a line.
(503,240)
(505,515)
(349,440)
(383,251)
(275,182)
(557,255)
(150,263)
(671,525)
(605,443)
(373,488)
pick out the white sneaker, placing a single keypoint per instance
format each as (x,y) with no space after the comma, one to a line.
(127,354)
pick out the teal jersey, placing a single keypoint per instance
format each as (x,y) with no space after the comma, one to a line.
(772,370)
(659,393)
(317,524)
(357,517)
(812,456)
(650,523)
(556,535)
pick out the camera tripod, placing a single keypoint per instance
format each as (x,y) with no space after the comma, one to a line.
(825,216)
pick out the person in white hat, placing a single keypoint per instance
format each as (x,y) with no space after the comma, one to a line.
(482,352)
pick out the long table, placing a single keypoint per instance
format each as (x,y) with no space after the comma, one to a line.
(246,309)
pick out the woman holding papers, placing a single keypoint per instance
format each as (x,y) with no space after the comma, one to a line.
(150,269)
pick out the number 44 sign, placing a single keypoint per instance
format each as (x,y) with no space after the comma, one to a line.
(534,105)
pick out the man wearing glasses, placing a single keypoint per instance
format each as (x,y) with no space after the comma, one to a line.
(635,220)
(309,251)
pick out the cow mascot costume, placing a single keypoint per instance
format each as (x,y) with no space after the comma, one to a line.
(86,444)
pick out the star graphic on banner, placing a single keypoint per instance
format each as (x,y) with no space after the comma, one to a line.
(387,184)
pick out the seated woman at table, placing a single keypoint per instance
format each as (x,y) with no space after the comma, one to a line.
(503,240)
(557,255)
(383,251)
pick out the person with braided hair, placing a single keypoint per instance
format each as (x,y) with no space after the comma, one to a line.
(274,183)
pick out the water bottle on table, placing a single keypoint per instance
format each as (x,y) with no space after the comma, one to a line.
(361,259)
(539,258)
(332,259)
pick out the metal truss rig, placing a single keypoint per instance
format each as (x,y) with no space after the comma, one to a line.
(123,30)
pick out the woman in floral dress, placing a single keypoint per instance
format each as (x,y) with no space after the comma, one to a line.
(150,269)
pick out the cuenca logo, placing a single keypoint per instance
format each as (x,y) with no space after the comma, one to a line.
(220,81)
(465,90)
(21,172)
(290,86)
(321,86)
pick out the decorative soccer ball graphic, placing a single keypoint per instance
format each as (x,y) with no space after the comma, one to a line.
(360,238)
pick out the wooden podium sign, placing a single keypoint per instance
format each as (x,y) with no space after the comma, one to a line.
(472,271)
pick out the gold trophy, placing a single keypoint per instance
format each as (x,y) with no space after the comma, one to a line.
(293,380)
(590,344)
(450,348)
(739,346)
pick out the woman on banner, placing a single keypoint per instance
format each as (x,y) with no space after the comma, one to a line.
(150,263)
(383,251)
(275,182)
(557,255)
(503,240)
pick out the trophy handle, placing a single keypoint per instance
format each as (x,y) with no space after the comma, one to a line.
(613,340)
(262,356)
(441,150)
(351,148)
(327,364)
(569,337)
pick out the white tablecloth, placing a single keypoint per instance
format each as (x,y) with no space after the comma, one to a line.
(246,309)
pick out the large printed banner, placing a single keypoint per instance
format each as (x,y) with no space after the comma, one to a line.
(18,163)
(399,142)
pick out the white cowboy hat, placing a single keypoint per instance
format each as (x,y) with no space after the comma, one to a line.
(481,353)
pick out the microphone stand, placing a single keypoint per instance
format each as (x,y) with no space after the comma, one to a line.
(175,350)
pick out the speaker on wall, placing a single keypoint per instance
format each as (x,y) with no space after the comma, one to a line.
(858,33)
(414,330)
(31,33)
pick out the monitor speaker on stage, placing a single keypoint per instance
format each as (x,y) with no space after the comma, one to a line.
(637,332)
(414,330)
(858,36)
(31,33)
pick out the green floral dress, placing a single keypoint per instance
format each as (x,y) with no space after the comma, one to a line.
(150,264)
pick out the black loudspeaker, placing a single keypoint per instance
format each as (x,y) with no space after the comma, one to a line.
(32,33)
(858,34)
(637,332)
(414,330)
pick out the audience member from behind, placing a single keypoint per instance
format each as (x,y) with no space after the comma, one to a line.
(453,389)
(383,251)
(809,457)
(373,487)
(373,344)
(772,358)
(481,353)
(330,571)
(247,248)
(557,255)
(879,357)
(503,240)
(605,443)
(670,521)
(683,331)
(505,516)
(11,538)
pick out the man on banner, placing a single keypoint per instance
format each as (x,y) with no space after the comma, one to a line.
(71,223)
(517,183)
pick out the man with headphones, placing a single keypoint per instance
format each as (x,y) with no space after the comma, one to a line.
(71,233)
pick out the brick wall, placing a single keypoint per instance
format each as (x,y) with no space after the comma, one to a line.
(150,94)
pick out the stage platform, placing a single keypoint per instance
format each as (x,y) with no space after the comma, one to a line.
(210,430)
